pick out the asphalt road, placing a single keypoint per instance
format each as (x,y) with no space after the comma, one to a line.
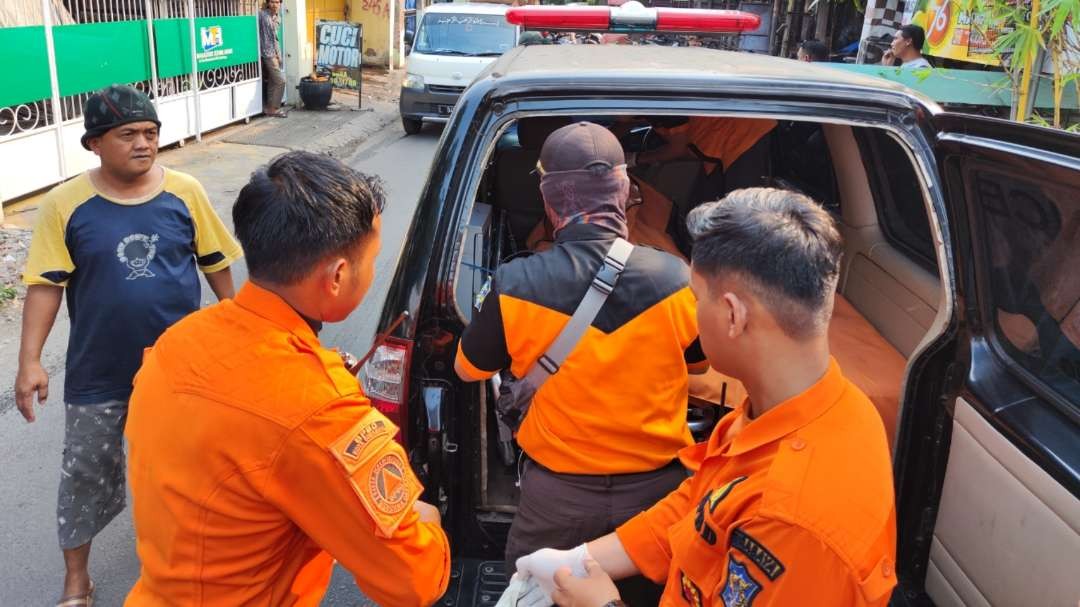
(31,566)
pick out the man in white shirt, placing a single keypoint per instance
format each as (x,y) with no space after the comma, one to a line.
(907,47)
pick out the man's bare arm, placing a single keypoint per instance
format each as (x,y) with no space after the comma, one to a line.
(610,553)
(39,314)
(221,283)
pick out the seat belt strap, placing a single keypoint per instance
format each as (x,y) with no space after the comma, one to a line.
(601,287)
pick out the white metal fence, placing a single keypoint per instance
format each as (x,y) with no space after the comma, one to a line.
(38,150)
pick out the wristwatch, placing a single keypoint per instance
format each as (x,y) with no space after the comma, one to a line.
(615,603)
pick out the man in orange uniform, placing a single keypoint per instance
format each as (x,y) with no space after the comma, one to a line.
(733,151)
(791,502)
(256,460)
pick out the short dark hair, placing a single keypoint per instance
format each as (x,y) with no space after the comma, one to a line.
(916,34)
(298,210)
(782,244)
(816,49)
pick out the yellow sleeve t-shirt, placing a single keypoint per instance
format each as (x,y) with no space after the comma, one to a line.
(129,268)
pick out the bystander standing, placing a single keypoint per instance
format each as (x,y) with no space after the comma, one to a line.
(272,69)
(124,241)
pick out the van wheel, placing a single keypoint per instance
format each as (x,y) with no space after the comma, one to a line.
(412,125)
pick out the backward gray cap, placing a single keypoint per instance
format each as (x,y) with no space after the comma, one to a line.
(579,146)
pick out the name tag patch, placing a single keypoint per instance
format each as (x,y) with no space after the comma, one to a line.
(769,564)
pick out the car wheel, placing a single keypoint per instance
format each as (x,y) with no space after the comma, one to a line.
(412,125)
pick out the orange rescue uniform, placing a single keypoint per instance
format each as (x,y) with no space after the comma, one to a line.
(256,461)
(723,139)
(792,508)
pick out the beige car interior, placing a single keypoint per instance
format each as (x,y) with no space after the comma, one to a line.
(1002,518)
(1007,533)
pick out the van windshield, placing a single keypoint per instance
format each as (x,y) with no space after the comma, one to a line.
(462,34)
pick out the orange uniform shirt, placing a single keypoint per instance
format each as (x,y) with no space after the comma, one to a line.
(723,138)
(793,508)
(617,405)
(255,461)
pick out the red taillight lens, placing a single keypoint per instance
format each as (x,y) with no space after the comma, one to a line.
(631,17)
(702,20)
(559,17)
(386,381)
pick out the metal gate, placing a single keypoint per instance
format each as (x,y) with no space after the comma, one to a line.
(197,59)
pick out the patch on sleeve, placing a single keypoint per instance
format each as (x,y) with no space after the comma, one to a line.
(690,591)
(769,564)
(741,588)
(378,471)
(481,295)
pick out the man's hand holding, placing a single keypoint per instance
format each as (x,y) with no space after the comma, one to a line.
(31,380)
(542,565)
(595,590)
(427,512)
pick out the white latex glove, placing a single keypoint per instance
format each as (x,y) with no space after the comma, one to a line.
(542,565)
(524,592)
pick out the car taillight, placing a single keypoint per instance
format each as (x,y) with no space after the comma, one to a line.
(386,381)
(631,17)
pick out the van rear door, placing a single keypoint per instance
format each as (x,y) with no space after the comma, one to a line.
(994,514)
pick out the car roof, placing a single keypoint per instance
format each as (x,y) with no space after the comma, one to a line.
(465,7)
(662,65)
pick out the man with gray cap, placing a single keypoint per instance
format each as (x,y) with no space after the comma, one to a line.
(601,435)
(124,241)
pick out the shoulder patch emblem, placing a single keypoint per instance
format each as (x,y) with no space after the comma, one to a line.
(741,588)
(388,484)
(378,471)
(769,564)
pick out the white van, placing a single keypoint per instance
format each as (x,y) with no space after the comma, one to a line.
(453,43)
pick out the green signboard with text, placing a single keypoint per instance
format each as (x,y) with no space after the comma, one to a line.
(221,42)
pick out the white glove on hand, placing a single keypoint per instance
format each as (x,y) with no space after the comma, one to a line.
(542,565)
(523,592)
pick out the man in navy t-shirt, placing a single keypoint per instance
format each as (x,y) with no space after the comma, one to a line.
(125,241)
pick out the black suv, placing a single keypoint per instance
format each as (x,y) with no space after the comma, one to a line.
(962,263)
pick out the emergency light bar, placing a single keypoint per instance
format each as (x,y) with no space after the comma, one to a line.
(631,17)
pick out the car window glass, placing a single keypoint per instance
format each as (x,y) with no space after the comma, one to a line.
(1031,239)
(464,34)
(803,163)
(898,197)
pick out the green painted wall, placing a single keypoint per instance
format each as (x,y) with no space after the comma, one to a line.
(25,62)
(90,56)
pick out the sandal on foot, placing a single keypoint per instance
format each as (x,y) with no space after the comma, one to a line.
(86,600)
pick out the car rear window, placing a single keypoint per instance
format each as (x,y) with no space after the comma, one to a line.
(898,197)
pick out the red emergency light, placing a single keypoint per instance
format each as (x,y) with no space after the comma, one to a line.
(631,17)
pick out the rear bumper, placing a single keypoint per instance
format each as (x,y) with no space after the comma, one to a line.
(433,106)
